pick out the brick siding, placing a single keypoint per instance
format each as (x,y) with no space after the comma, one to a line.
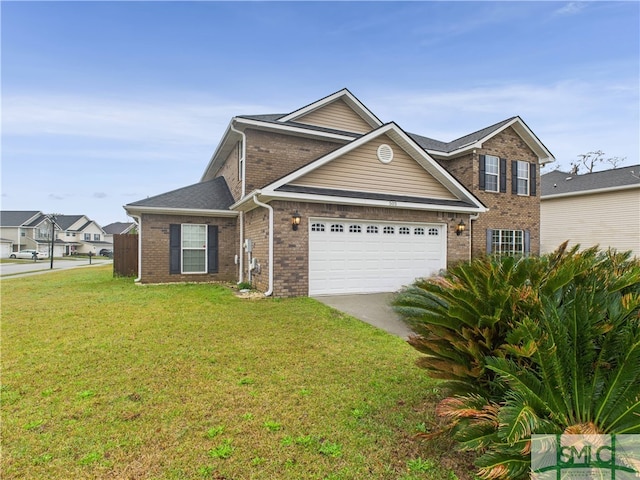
(155,245)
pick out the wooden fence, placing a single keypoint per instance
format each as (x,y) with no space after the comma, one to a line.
(125,255)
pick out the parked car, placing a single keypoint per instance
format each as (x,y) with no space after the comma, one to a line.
(29,254)
(105,252)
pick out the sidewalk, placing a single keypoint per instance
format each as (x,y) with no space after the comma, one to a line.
(21,269)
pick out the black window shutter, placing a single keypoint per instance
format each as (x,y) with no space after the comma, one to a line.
(481,184)
(503,175)
(174,248)
(532,179)
(212,249)
(527,242)
(489,240)
(514,177)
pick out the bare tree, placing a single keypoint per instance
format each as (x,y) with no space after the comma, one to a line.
(591,160)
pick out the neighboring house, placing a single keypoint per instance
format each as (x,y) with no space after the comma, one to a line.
(24,229)
(77,234)
(117,228)
(6,247)
(599,208)
(328,199)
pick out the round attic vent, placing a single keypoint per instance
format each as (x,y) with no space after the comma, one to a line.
(385,153)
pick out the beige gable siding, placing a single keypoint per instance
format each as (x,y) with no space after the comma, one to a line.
(336,115)
(360,170)
(609,219)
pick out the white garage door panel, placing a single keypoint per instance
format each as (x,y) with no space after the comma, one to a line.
(371,258)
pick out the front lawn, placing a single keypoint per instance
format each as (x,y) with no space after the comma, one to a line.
(105,379)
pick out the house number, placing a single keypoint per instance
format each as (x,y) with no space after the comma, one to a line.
(392,203)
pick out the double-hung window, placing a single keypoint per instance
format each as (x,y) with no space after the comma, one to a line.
(493,174)
(87,237)
(193,248)
(523,178)
(508,243)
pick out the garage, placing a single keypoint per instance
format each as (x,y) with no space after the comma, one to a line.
(347,257)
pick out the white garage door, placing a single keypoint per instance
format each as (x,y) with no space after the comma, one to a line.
(368,256)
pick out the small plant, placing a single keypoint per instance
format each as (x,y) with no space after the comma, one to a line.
(246,381)
(420,466)
(247,416)
(331,449)
(86,394)
(272,426)
(215,431)
(244,286)
(286,441)
(304,392)
(33,425)
(44,458)
(91,458)
(257,461)
(206,471)
(222,451)
(305,441)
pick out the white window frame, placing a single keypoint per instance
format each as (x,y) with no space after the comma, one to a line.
(507,243)
(523,180)
(240,160)
(87,237)
(488,160)
(187,227)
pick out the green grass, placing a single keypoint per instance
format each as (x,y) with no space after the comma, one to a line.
(102,378)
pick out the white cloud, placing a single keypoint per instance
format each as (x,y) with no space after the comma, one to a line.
(571,8)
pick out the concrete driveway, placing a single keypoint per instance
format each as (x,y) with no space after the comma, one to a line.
(373,308)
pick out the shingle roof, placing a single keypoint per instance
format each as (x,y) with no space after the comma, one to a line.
(558,182)
(16,218)
(274,119)
(65,221)
(117,228)
(210,195)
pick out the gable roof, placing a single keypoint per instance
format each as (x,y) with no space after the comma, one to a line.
(558,183)
(19,218)
(345,95)
(118,228)
(465,200)
(65,222)
(212,197)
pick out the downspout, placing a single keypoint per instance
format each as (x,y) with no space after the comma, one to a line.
(270,208)
(472,218)
(139,219)
(242,194)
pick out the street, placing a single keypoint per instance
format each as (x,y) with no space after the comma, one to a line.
(19,269)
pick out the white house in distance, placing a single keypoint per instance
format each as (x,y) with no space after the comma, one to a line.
(599,208)
(118,228)
(78,234)
(22,229)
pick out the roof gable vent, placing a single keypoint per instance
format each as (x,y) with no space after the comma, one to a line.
(385,153)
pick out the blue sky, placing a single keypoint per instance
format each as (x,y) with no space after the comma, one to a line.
(107,103)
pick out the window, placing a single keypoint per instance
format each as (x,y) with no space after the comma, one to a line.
(336,227)
(87,237)
(493,174)
(418,231)
(433,232)
(96,237)
(372,229)
(355,229)
(492,170)
(388,230)
(523,178)
(193,248)
(240,160)
(317,227)
(404,231)
(507,243)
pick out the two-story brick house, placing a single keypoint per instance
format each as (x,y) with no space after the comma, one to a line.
(328,199)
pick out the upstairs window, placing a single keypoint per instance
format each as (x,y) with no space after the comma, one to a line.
(523,178)
(240,160)
(96,237)
(493,174)
(87,236)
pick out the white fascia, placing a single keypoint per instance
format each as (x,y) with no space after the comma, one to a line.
(200,212)
(343,94)
(589,192)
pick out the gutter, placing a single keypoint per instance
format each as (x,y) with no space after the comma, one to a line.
(139,222)
(270,208)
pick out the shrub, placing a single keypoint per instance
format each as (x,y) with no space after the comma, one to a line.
(560,355)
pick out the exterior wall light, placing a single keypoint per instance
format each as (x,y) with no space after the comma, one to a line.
(295,220)
(461,227)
